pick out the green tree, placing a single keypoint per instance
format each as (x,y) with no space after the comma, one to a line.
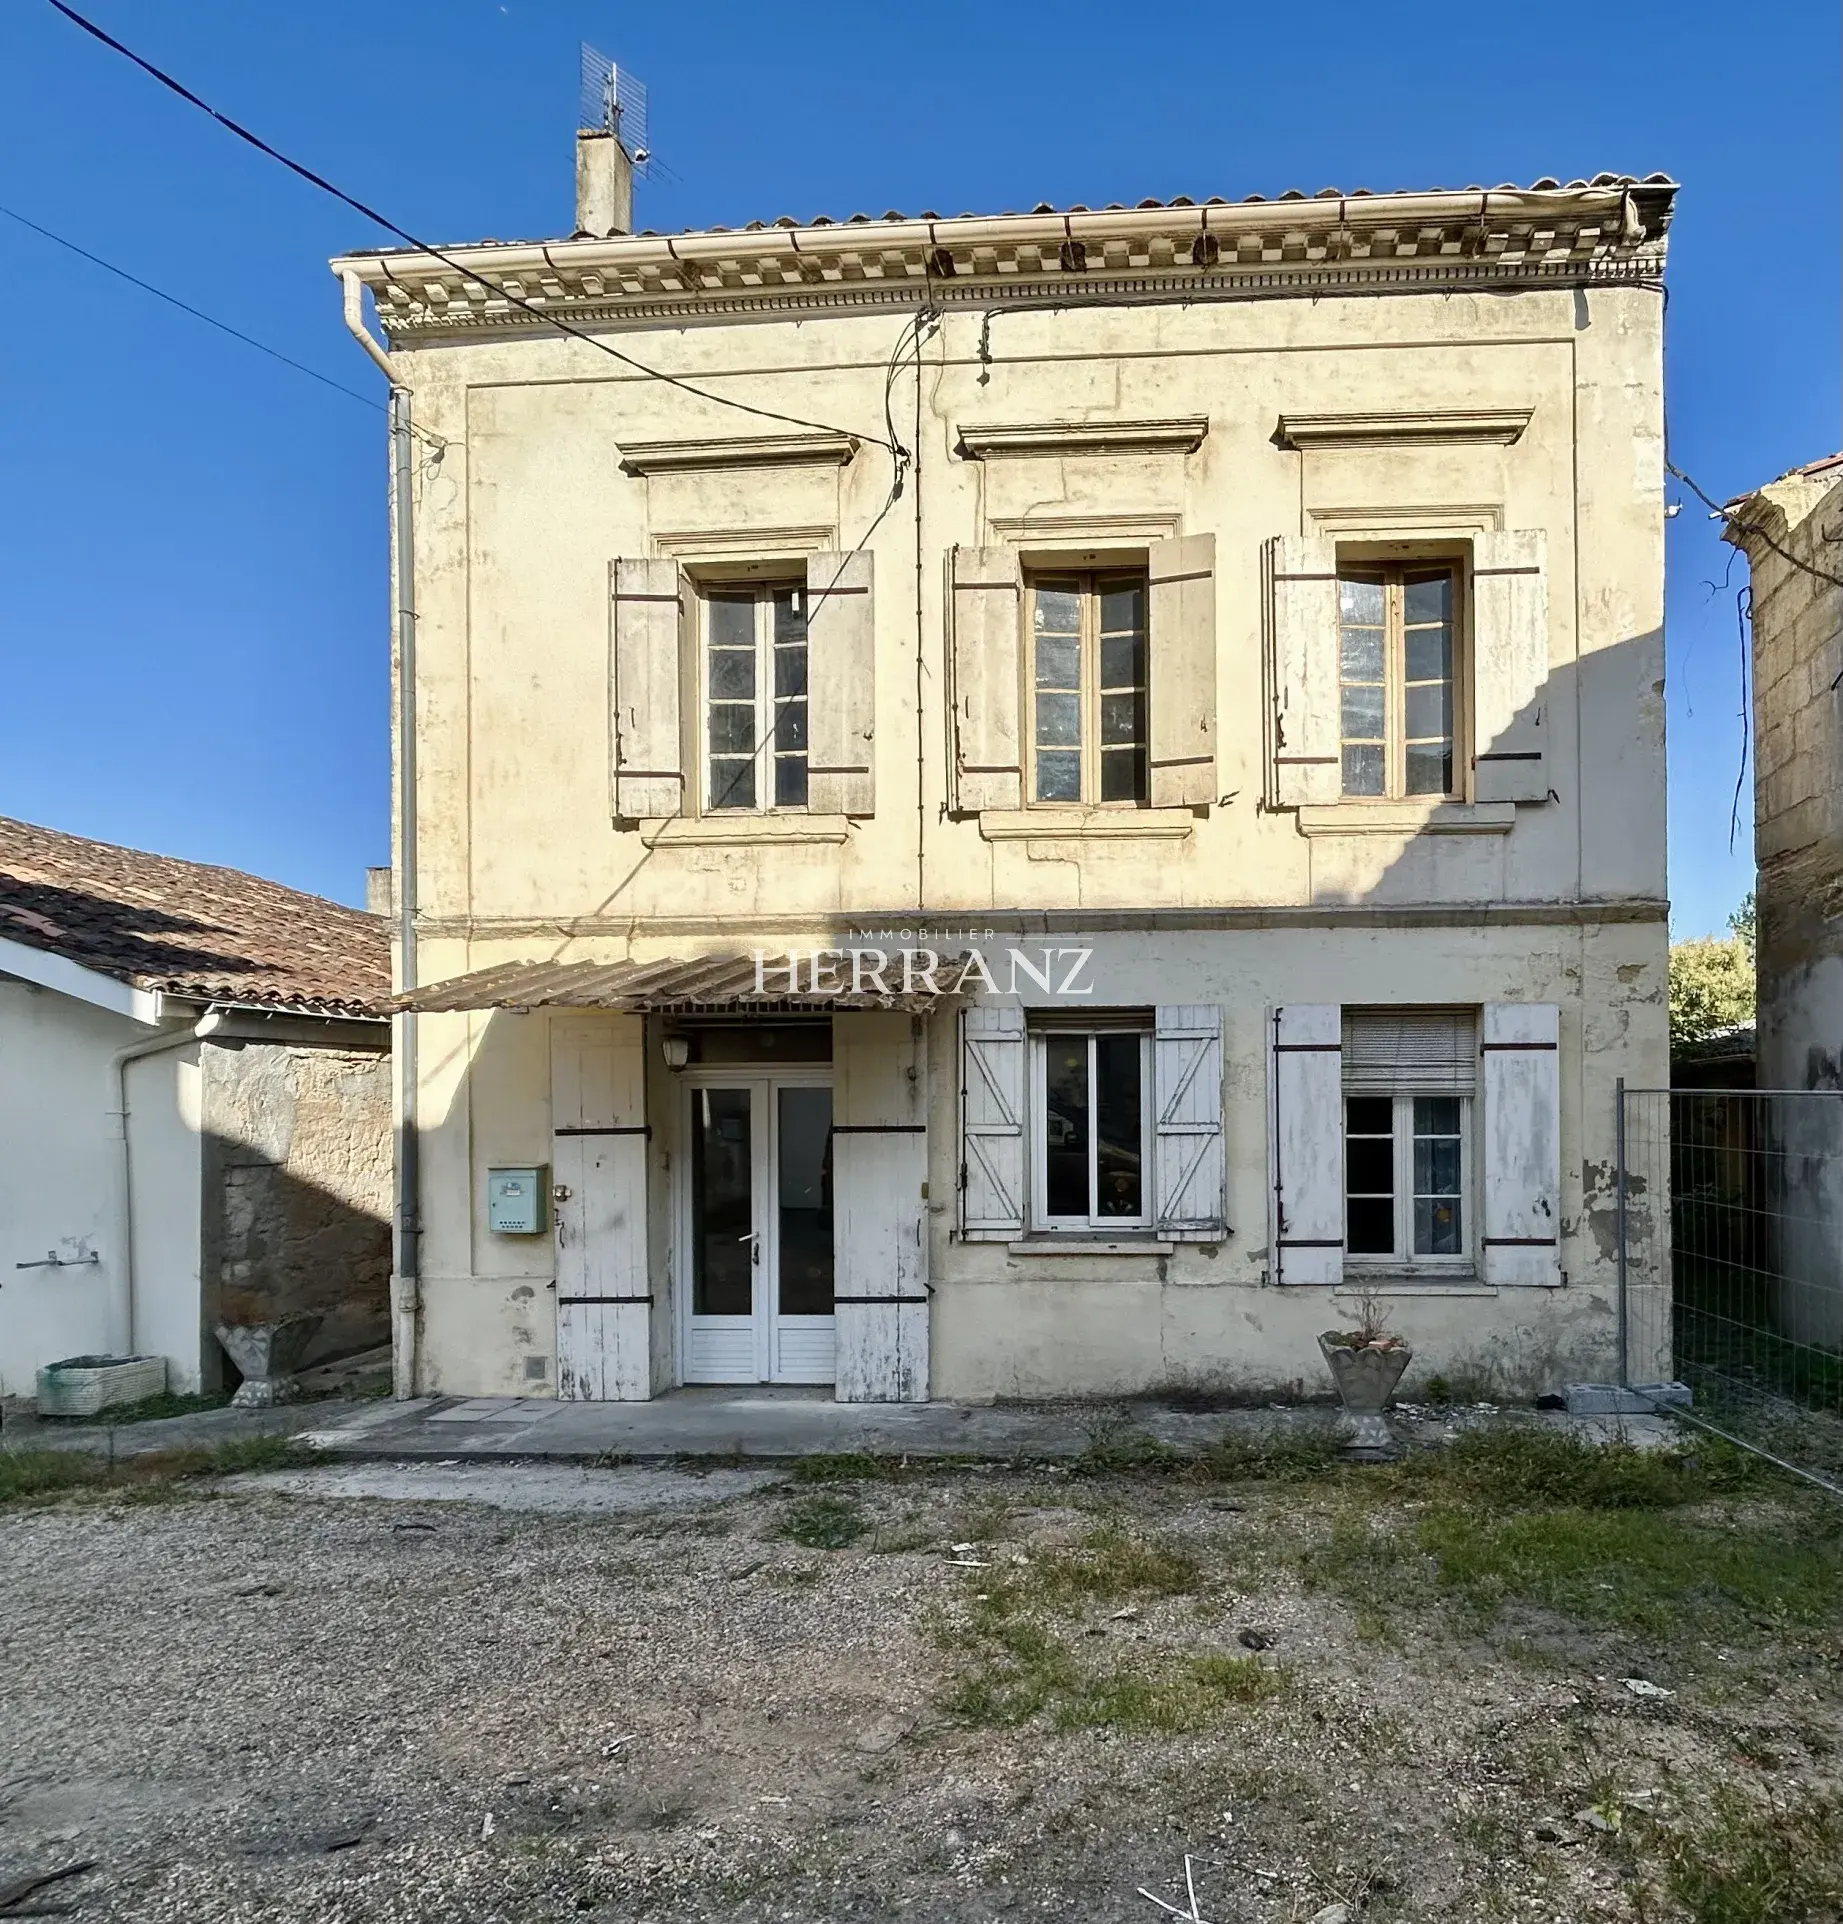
(1745,921)
(1711,986)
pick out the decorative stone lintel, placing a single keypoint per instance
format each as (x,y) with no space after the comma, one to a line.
(1493,427)
(979,441)
(747,451)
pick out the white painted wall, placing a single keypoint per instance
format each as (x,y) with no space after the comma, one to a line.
(165,1146)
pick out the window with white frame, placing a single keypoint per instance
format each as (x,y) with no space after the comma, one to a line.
(1409,1080)
(755,695)
(1088,723)
(1090,1126)
(1399,680)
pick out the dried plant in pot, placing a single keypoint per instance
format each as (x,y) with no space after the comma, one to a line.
(1366,1364)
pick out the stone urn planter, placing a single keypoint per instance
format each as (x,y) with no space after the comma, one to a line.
(268,1354)
(1366,1366)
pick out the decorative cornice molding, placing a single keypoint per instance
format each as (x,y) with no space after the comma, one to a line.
(749,451)
(980,441)
(1606,233)
(1498,427)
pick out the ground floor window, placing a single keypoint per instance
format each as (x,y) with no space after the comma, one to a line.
(1409,1080)
(1090,1124)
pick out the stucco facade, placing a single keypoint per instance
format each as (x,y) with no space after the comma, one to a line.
(1244,414)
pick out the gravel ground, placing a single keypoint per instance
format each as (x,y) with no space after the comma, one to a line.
(644,1701)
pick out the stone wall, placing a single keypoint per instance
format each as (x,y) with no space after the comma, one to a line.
(297,1189)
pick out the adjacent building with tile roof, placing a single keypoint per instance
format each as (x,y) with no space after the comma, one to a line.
(194,1109)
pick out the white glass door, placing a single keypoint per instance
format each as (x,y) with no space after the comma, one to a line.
(757,1214)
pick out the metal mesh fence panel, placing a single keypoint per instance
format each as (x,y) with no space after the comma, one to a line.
(1731,1262)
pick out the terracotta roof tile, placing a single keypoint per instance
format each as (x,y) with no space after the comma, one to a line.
(190,929)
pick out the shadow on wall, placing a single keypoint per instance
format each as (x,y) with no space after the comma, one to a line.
(278,1244)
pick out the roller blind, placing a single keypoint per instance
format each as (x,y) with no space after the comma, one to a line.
(1425,1052)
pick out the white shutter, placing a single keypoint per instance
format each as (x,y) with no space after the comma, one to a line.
(1187,1094)
(879,1170)
(988,587)
(1510,665)
(598,1163)
(841,680)
(992,1124)
(1306,1143)
(652,604)
(1308,737)
(1522,1213)
(1182,628)
(1411,1052)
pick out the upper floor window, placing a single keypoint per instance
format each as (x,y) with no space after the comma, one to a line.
(755,695)
(1397,677)
(1087,680)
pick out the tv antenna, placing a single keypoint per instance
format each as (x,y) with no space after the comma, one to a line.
(614,102)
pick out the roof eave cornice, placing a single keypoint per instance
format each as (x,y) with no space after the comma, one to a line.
(1218,249)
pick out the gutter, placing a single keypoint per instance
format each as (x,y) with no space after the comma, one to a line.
(207,1025)
(406,1265)
(1330,211)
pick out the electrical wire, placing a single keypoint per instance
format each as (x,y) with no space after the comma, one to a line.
(326,186)
(210,320)
(1743,526)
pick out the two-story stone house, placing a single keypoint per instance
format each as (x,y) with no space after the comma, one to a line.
(1028,804)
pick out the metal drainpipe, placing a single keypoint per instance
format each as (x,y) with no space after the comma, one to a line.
(408,1263)
(1620,1193)
(118,1078)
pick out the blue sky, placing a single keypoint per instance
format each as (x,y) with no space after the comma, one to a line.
(192,539)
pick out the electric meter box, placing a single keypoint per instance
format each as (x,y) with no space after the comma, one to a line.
(518,1201)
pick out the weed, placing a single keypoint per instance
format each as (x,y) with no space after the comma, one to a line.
(1632,1570)
(846,1466)
(1282,1456)
(28,1476)
(1748,1864)
(1106,1566)
(1515,1469)
(153,1409)
(1184,1693)
(824,1522)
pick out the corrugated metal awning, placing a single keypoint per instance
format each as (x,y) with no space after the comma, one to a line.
(719,983)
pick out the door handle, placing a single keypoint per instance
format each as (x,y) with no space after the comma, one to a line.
(754,1240)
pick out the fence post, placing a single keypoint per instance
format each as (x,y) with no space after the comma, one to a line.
(1625,1373)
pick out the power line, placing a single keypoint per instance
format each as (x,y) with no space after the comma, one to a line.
(197,313)
(326,186)
(1735,521)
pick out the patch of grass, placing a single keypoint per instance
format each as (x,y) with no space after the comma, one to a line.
(1745,1863)
(824,1522)
(1519,1468)
(1107,1566)
(846,1466)
(37,1476)
(151,1409)
(1179,1694)
(1283,1456)
(1635,1570)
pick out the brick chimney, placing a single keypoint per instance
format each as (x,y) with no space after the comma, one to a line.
(604,185)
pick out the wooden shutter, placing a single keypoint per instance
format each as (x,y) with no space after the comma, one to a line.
(1306,1143)
(652,604)
(879,1170)
(598,1163)
(988,588)
(992,1124)
(1308,736)
(1522,1142)
(1187,1094)
(1183,671)
(1411,1052)
(1510,666)
(841,680)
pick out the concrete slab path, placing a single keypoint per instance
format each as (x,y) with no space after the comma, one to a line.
(777,1423)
